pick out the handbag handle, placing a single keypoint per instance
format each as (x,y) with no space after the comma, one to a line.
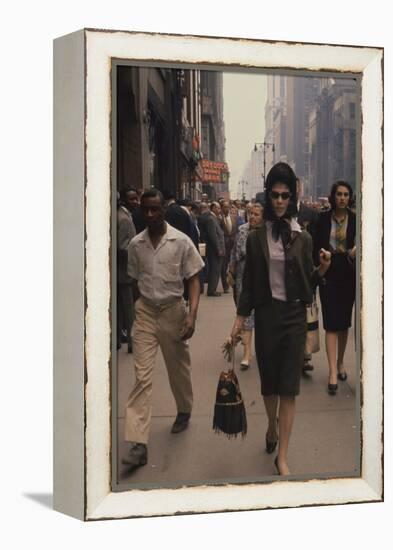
(229,354)
(233,357)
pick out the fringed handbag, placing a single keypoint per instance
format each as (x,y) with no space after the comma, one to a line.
(229,411)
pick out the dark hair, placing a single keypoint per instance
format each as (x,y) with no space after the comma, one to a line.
(125,191)
(152,193)
(332,196)
(280,173)
(183,202)
(168,194)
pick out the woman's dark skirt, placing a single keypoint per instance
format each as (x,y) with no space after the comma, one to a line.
(280,336)
(338,294)
(337,299)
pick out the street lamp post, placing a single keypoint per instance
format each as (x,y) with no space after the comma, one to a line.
(265,145)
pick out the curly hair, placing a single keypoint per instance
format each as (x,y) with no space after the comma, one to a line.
(332,196)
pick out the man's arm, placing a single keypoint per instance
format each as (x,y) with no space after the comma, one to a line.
(194,289)
(135,290)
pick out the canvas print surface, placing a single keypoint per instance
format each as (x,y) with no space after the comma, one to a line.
(235,226)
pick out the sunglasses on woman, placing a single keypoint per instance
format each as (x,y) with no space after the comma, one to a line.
(275,195)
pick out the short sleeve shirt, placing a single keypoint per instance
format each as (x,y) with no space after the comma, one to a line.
(160,272)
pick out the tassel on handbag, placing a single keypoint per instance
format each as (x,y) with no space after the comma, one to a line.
(229,411)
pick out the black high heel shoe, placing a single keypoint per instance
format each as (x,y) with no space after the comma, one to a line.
(270,445)
(342,376)
(332,389)
(276,465)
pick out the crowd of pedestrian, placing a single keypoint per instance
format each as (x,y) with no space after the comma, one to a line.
(272,256)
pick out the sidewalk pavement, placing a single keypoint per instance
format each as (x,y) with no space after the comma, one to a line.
(325,437)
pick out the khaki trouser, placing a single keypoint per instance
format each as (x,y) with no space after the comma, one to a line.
(157,326)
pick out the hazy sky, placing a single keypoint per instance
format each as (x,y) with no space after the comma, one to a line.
(244,117)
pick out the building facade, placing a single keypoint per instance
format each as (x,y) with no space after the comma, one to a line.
(158,130)
(213,133)
(312,124)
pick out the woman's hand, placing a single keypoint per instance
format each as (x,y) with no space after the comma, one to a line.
(231,279)
(352,253)
(237,327)
(325,259)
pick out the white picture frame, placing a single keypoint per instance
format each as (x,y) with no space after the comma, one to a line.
(82,241)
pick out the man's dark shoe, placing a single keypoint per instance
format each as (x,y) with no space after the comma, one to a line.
(137,455)
(215,294)
(181,422)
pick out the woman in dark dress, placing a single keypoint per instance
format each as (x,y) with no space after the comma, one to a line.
(336,231)
(278,282)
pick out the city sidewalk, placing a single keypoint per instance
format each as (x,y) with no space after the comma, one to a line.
(325,437)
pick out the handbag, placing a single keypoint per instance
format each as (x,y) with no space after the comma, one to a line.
(312,337)
(229,411)
(202,249)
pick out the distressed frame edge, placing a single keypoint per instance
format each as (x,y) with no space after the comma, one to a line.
(376,493)
(69,490)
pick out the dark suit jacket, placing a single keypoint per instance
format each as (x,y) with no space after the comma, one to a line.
(229,236)
(138,219)
(212,234)
(300,276)
(179,219)
(340,267)
(307,218)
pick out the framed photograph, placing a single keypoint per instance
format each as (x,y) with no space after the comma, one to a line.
(155,129)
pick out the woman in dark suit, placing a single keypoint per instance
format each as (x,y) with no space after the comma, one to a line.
(278,282)
(336,231)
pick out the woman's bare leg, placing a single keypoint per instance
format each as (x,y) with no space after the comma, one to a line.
(342,344)
(271,402)
(246,340)
(331,350)
(286,416)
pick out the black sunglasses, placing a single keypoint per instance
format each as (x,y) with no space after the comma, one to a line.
(275,195)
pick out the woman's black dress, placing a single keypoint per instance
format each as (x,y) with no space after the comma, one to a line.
(338,291)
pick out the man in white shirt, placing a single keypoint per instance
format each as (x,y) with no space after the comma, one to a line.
(160,259)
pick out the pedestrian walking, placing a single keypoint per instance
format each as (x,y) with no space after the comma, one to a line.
(336,231)
(125,304)
(236,270)
(160,258)
(229,226)
(307,219)
(131,202)
(278,282)
(204,212)
(177,216)
(215,247)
